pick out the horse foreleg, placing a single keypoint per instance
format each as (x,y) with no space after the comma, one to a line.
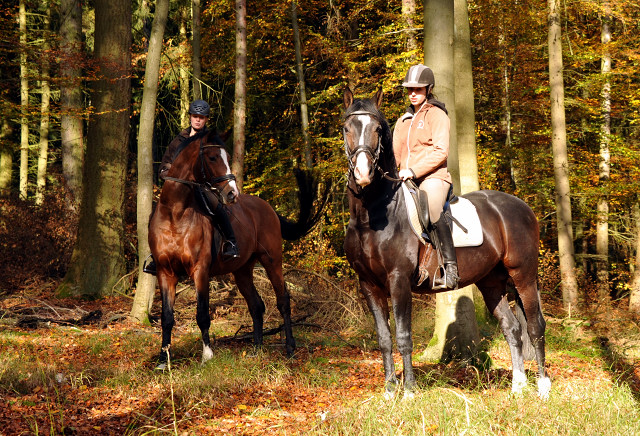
(244,280)
(167,286)
(402,305)
(377,302)
(203,317)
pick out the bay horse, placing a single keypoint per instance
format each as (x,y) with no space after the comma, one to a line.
(384,251)
(184,241)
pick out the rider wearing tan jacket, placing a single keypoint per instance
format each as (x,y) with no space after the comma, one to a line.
(421,148)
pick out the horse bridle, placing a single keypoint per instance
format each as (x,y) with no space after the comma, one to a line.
(210,181)
(362,148)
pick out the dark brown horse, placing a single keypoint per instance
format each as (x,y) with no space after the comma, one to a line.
(384,251)
(184,241)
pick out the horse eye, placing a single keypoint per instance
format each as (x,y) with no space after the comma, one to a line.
(213,158)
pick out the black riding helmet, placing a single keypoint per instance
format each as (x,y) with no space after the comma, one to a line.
(199,107)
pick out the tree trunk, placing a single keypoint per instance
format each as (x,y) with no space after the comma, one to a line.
(303,93)
(240,105)
(196,8)
(464,105)
(456,330)
(71,124)
(184,69)
(6,154)
(44,112)
(634,298)
(146,282)
(408,12)
(24,103)
(97,262)
(561,162)
(466,130)
(602,224)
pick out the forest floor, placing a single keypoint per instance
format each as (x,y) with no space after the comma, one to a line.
(71,366)
(80,367)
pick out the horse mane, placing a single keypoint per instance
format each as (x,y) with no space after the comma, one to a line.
(387,157)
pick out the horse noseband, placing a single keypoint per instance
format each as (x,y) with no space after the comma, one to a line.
(225,194)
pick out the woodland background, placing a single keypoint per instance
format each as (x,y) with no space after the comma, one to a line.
(74,361)
(363,44)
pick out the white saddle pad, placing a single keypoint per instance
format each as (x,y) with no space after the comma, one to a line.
(462,210)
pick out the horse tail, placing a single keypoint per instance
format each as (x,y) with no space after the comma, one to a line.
(307,218)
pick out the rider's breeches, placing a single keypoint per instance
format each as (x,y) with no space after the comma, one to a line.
(437,191)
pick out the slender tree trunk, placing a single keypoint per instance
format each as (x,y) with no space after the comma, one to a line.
(240,105)
(456,329)
(634,298)
(97,262)
(408,12)
(6,155)
(602,224)
(71,124)
(506,98)
(24,103)
(184,69)
(304,117)
(196,7)
(561,162)
(146,282)
(44,113)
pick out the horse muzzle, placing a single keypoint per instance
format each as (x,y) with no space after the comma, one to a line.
(362,170)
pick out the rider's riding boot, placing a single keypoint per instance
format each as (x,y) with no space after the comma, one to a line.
(423,213)
(229,246)
(449,280)
(150,268)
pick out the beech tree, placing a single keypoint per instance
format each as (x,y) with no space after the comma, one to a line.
(560,161)
(456,330)
(97,262)
(71,107)
(146,282)
(240,103)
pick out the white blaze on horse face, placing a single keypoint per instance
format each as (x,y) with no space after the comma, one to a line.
(225,158)
(362,168)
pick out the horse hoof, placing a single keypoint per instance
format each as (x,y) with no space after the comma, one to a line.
(408,396)
(388,395)
(207,354)
(518,382)
(544,388)
(161,367)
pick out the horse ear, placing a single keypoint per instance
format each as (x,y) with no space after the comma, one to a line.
(348,97)
(226,134)
(378,98)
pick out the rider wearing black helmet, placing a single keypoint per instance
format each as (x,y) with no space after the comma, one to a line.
(198,116)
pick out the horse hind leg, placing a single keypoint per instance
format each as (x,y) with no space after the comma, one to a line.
(283,301)
(493,290)
(529,298)
(244,280)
